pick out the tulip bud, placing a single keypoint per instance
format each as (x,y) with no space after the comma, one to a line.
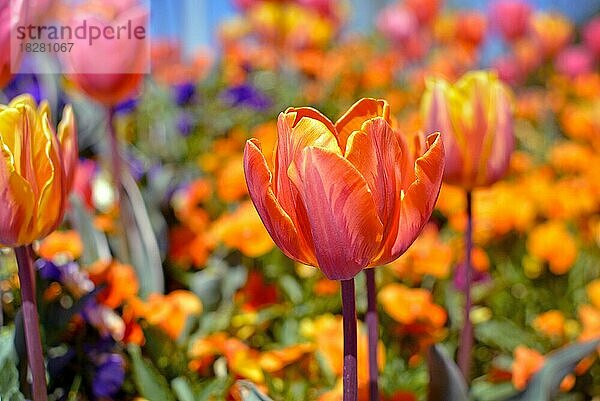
(475,118)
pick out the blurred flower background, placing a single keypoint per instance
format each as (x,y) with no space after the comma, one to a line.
(162,282)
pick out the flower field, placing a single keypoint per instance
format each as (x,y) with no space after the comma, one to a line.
(304,212)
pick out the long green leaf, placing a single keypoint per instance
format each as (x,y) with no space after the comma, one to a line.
(446,382)
(545,384)
(148,381)
(95,244)
(143,246)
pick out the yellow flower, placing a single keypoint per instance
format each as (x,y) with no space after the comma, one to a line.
(36,172)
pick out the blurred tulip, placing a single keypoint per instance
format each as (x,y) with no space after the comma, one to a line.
(471,27)
(397,23)
(475,118)
(591,36)
(574,61)
(508,70)
(124,59)
(37,171)
(511,18)
(425,10)
(348,195)
(12,13)
(553,31)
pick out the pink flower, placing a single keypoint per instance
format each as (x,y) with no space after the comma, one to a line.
(591,36)
(109,70)
(574,61)
(511,18)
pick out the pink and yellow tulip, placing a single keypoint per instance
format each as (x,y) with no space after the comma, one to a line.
(475,118)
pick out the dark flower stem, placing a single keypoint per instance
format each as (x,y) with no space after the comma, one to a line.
(117,172)
(466,338)
(350,377)
(31,323)
(373,334)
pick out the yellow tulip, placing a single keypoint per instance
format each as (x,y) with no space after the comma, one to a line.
(36,171)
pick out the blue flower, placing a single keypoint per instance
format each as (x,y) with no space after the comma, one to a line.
(109,376)
(246,96)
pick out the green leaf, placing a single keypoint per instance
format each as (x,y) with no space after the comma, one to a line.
(143,246)
(95,244)
(9,379)
(545,384)
(504,334)
(213,389)
(148,381)
(446,382)
(182,389)
(249,392)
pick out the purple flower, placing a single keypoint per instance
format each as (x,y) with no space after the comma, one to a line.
(48,270)
(185,124)
(109,376)
(126,106)
(184,93)
(459,277)
(246,96)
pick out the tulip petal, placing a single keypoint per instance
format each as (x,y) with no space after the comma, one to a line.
(376,154)
(499,145)
(417,202)
(277,222)
(295,134)
(438,119)
(357,114)
(51,202)
(67,137)
(345,228)
(16,198)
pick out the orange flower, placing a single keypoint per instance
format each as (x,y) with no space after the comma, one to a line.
(427,256)
(243,230)
(475,118)
(344,196)
(326,332)
(61,244)
(121,284)
(590,320)
(411,305)
(551,242)
(593,292)
(36,170)
(169,312)
(552,31)
(551,323)
(527,362)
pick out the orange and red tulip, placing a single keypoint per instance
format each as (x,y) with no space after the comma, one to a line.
(475,118)
(348,195)
(36,172)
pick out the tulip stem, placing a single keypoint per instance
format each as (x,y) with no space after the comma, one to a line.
(350,375)
(466,338)
(117,174)
(31,323)
(373,334)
